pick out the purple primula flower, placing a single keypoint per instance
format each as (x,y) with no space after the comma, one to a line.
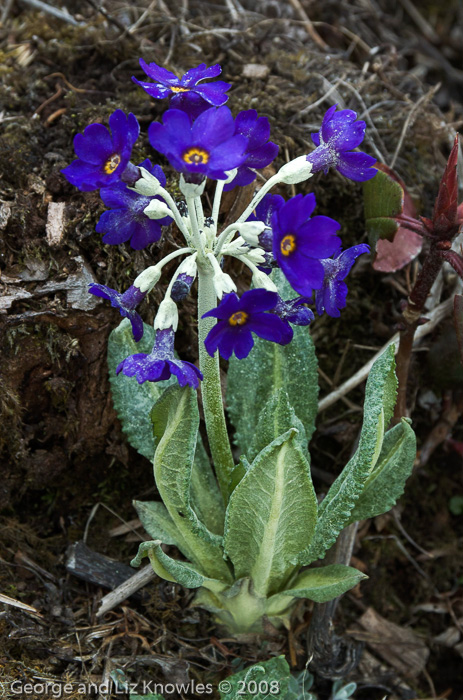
(186,93)
(181,287)
(239,318)
(160,363)
(102,157)
(340,133)
(299,242)
(260,151)
(332,296)
(294,311)
(125,220)
(126,303)
(264,212)
(208,147)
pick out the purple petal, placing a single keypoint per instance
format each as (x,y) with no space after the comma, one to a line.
(317,236)
(228,155)
(194,75)
(356,166)
(257,300)
(304,275)
(315,138)
(262,156)
(243,342)
(158,73)
(94,145)
(271,327)
(212,127)
(229,304)
(214,93)
(157,91)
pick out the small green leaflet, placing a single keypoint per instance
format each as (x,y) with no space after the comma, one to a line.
(324,583)
(383,199)
(133,402)
(271,515)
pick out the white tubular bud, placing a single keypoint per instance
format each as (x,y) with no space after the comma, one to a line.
(157,210)
(223,283)
(148,279)
(167,315)
(231,174)
(260,279)
(251,231)
(188,266)
(295,171)
(256,255)
(190,189)
(147,185)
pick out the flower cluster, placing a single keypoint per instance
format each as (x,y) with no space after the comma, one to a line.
(202,140)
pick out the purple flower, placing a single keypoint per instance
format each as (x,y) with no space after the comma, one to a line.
(332,296)
(340,133)
(294,311)
(239,318)
(208,147)
(102,157)
(160,363)
(260,151)
(125,220)
(264,212)
(299,242)
(181,287)
(126,303)
(186,93)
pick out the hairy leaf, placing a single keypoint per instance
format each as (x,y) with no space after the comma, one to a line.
(133,402)
(271,515)
(383,201)
(324,583)
(175,419)
(159,525)
(173,570)
(270,367)
(206,499)
(258,679)
(387,480)
(276,418)
(338,504)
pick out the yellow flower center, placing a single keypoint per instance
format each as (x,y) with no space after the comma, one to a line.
(112,164)
(195,156)
(179,89)
(239,318)
(288,244)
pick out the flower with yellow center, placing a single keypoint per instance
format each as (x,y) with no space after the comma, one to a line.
(238,319)
(112,164)
(196,156)
(288,244)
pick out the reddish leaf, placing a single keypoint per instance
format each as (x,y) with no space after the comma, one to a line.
(445,208)
(458,321)
(394,255)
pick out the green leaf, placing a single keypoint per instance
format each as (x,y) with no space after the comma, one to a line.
(257,680)
(325,583)
(238,472)
(276,418)
(338,504)
(456,505)
(387,480)
(176,419)
(206,499)
(269,367)
(181,572)
(271,515)
(133,402)
(159,525)
(383,199)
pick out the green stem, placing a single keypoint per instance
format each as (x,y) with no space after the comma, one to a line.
(211,389)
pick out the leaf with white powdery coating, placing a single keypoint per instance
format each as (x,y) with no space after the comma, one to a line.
(176,419)
(271,515)
(206,499)
(276,417)
(338,504)
(133,402)
(159,525)
(324,583)
(387,480)
(269,367)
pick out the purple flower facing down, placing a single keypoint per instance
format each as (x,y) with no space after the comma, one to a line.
(294,311)
(125,220)
(260,151)
(208,147)
(161,363)
(264,212)
(126,303)
(339,134)
(332,296)
(186,93)
(300,242)
(181,287)
(238,319)
(102,157)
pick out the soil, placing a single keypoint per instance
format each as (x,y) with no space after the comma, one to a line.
(61,446)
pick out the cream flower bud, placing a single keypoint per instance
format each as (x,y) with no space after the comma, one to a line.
(167,315)
(223,283)
(190,189)
(251,231)
(295,171)
(157,210)
(260,279)
(148,279)
(147,185)
(188,266)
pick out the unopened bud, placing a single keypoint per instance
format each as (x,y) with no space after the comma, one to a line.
(147,185)
(167,315)
(295,171)
(157,210)
(148,279)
